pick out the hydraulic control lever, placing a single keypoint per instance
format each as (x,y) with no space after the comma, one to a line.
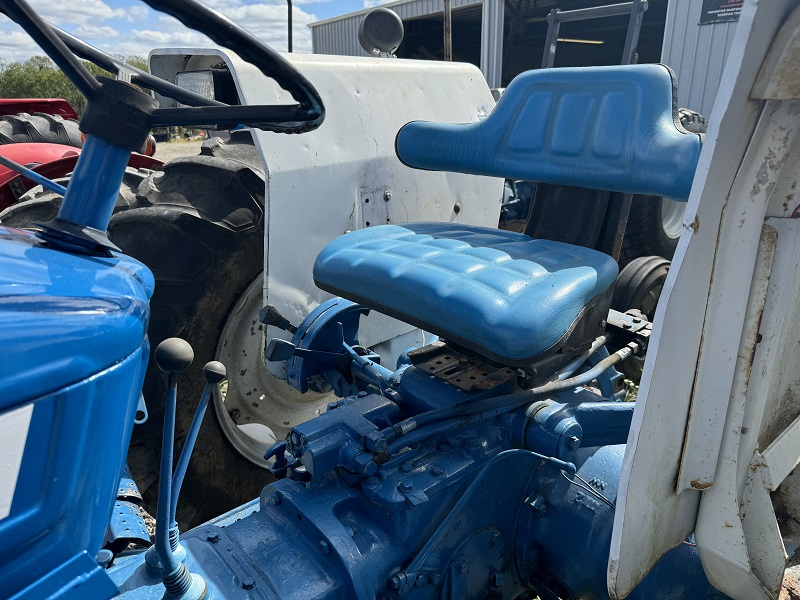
(173,356)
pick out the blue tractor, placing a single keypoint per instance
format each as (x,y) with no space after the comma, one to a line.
(485,464)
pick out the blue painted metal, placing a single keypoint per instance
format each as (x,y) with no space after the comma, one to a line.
(406,487)
(65,493)
(447,277)
(461,514)
(33,176)
(319,345)
(186,451)
(94,185)
(170,564)
(63,317)
(562,126)
(73,331)
(126,526)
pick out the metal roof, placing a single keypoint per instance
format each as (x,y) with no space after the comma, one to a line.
(405,9)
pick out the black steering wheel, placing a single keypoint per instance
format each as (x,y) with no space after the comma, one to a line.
(306,115)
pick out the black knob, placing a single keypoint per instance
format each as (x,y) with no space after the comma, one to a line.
(214,372)
(174,355)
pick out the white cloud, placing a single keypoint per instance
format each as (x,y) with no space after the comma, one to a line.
(136,13)
(89,19)
(374,3)
(98,32)
(77,12)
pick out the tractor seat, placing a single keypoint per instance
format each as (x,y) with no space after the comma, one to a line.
(511,298)
(502,294)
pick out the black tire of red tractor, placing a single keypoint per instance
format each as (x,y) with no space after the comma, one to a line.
(199,226)
(39,128)
(39,205)
(645,234)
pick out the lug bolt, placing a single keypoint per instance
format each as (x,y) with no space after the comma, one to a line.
(235,414)
(248,583)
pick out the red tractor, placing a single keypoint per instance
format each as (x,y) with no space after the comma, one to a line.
(43,135)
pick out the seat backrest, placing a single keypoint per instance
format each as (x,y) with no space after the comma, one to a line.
(606,128)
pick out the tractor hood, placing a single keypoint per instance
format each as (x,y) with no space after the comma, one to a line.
(73,312)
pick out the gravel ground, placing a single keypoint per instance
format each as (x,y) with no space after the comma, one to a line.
(166,151)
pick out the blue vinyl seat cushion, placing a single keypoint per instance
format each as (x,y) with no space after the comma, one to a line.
(503,294)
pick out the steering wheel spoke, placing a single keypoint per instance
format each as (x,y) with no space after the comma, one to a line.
(65,49)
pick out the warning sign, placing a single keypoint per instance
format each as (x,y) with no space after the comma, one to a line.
(720,11)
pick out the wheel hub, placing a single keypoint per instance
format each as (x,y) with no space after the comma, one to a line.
(256,409)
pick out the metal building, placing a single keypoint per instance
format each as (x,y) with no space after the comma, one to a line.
(507,37)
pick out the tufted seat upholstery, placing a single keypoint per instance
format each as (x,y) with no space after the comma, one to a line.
(497,292)
(507,296)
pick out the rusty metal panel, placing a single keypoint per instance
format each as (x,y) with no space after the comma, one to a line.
(696,53)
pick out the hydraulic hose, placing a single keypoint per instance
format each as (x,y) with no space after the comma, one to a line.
(424,429)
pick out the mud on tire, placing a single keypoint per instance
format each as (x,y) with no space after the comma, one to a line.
(40,128)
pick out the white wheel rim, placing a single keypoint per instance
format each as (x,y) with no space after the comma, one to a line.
(267,406)
(672,217)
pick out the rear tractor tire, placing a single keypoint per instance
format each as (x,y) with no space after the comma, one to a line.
(199,226)
(637,291)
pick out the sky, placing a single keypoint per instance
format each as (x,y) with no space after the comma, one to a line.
(132,28)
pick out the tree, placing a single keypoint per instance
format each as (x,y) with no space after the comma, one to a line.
(39,77)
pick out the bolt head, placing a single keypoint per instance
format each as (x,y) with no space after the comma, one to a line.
(405,486)
(274,499)
(573,443)
(387,195)
(248,583)
(436,470)
(325,547)
(213,537)
(462,567)
(364,465)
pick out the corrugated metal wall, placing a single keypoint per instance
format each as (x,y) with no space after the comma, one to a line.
(696,53)
(340,35)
